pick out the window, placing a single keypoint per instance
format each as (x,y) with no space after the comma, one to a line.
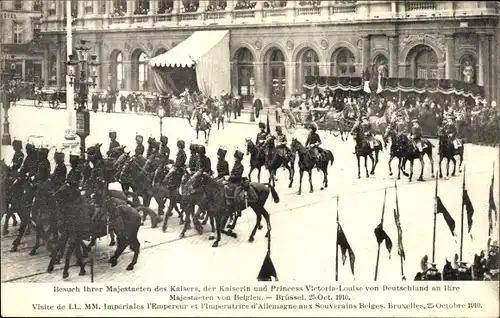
(119,71)
(468,69)
(52,7)
(17,29)
(165,6)
(216,5)
(345,63)
(141,7)
(120,7)
(18,5)
(36,26)
(426,64)
(190,5)
(37,5)
(143,72)
(310,62)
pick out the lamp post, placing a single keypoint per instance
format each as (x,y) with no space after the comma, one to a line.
(160,112)
(7,93)
(86,78)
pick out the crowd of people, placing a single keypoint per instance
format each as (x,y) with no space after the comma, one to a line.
(245,5)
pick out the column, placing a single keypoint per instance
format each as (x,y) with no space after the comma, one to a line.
(46,67)
(366,55)
(234,77)
(109,7)
(45,10)
(394,9)
(260,85)
(493,82)
(230,5)
(127,76)
(100,69)
(153,10)
(290,7)
(291,78)
(325,8)
(58,65)
(23,69)
(324,69)
(81,9)
(484,64)
(393,56)
(59,9)
(176,10)
(130,7)
(96,6)
(450,57)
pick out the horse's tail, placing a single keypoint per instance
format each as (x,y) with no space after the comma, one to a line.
(155,219)
(276,198)
(135,199)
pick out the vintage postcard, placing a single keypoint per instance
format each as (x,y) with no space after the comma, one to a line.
(230,158)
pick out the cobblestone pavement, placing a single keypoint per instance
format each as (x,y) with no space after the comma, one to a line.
(303,227)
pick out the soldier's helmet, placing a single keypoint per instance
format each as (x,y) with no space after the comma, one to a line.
(163,140)
(112,134)
(193,147)
(180,144)
(17,145)
(262,125)
(74,160)
(238,155)
(139,139)
(43,153)
(313,126)
(221,152)
(278,129)
(59,157)
(30,148)
(202,150)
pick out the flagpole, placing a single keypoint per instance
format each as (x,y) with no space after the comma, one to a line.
(489,208)
(337,245)
(397,209)
(382,223)
(435,215)
(462,217)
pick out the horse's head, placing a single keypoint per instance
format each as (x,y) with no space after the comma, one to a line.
(152,163)
(269,142)
(94,152)
(295,145)
(195,184)
(251,148)
(129,170)
(124,157)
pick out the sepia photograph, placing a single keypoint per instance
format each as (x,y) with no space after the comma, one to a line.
(249,157)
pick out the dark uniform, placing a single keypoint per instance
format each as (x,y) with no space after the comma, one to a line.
(314,140)
(222,164)
(204,164)
(235,178)
(261,136)
(29,164)
(181,157)
(74,175)
(17,159)
(113,143)
(416,134)
(123,103)
(58,177)
(139,149)
(193,158)
(281,142)
(42,166)
(164,150)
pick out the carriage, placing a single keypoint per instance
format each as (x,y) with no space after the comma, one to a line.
(52,96)
(326,119)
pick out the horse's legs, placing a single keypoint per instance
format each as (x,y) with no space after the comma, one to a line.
(325,177)
(400,164)
(135,246)
(461,157)
(411,169)
(69,253)
(448,167)
(55,253)
(258,173)
(168,212)
(374,162)
(197,131)
(212,226)
(219,225)
(359,169)
(301,173)
(440,167)
(233,223)
(310,181)
(421,178)
(112,240)
(39,232)
(366,166)
(122,244)
(79,260)
(250,173)
(25,219)
(454,166)
(429,155)
(258,212)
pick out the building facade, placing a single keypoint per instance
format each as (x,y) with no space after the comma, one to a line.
(19,33)
(275,44)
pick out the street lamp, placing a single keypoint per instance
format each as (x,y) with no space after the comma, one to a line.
(8,95)
(160,112)
(87,78)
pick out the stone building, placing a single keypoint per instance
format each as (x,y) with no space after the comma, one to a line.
(275,44)
(19,31)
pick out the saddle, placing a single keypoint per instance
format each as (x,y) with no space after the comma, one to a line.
(238,194)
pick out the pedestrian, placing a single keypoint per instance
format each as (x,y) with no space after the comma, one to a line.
(123,103)
(257,104)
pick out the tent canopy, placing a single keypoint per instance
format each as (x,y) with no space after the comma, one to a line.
(205,52)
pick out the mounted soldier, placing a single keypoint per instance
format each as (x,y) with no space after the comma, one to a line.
(314,141)
(42,167)
(113,143)
(450,128)
(74,176)
(367,131)
(58,177)
(164,150)
(204,164)
(193,158)
(139,149)
(416,134)
(29,165)
(261,135)
(234,181)
(17,159)
(281,142)
(222,164)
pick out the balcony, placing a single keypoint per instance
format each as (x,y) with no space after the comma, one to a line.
(420,5)
(307,11)
(215,15)
(140,19)
(244,14)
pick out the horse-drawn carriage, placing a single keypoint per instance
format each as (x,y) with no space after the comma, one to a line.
(326,119)
(52,96)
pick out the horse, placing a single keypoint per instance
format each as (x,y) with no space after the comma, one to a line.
(448,150)
(275,159)
(83,219)
(257,158)
(7,177)
(204,125)
(404,149)
(307,162)
(379,124)
(21,198)
(209,195)
(364,149)
(340,120)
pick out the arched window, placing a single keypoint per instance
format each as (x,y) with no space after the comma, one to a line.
(468,69)
(246,80)
(345,63)
(160,51)
(310,62)
(426,64)
(143,72)
(120,84)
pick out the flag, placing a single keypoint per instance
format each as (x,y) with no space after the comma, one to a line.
(381,236)
(267,271)
(344,246)
(469,208)
(447,217)
(268,128)
(492,208)
(401,250)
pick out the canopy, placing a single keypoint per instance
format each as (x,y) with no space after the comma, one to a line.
(205,51)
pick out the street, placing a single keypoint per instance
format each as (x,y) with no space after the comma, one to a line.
(303,227)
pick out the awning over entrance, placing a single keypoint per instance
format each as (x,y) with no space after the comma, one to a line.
(206,51)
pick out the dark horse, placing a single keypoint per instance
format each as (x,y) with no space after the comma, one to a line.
(448,150)
(307,162)
(7,177)
(257,158)
(209,195)
(21,192)
(364,149)
(204,125)
(406,150)
(83,219)
(276,158)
